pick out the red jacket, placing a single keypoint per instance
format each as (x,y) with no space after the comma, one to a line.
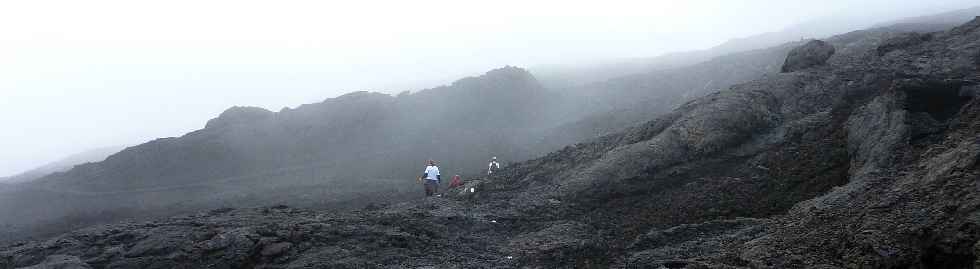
(456,182)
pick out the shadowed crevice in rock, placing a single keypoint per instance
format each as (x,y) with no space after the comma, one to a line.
(941,100)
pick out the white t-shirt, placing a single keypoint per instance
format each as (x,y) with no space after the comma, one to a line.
(432,172)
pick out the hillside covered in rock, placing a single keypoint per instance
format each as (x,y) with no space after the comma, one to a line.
(867,159)
(331,154)
(365,147)
(631,99)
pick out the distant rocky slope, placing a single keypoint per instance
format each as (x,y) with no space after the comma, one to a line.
(64,164)
(955,17)
(568,75)
(869,160)
(331,154)
(618,102)
(623,102)
(360,130)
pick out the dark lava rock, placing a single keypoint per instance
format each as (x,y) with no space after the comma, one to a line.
(972,91)
(808,55)
(561,243)
(276,249)
(239,115)
(903,41)
(61,262)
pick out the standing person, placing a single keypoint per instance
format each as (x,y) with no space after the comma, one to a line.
(494,165)
(431,177)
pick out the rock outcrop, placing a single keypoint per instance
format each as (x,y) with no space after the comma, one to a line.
(239,115)
(813,53)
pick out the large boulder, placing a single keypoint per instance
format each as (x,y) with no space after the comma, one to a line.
(808,55)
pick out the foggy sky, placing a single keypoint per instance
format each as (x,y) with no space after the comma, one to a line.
(77,75)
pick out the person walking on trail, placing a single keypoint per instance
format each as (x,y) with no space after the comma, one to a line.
(456,182)
(431,177)
(494,166)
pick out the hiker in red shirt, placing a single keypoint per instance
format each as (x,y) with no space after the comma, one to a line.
(456,182)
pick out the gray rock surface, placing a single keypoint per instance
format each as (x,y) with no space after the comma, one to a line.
(903,41)
(60,262)
(813,53)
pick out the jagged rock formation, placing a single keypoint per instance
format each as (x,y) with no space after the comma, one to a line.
(813,53)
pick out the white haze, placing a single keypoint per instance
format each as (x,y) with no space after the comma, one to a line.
(76,75)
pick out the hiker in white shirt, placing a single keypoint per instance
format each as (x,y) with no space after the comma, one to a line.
(432,178)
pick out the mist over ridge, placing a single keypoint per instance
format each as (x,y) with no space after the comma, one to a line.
(185,71)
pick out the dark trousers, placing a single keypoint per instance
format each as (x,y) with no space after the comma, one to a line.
(431,187)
